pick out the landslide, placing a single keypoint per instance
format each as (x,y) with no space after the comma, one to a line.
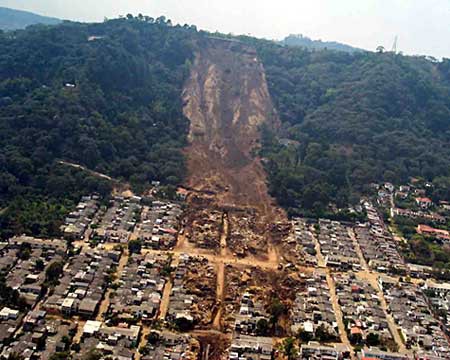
(226,99)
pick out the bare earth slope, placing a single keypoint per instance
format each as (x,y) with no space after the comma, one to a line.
(226,100)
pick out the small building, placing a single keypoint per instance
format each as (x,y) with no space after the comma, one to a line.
(9,314)
(424,202)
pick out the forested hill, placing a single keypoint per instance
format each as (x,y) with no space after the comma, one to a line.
(11,19)
(306,42)
(355,119)
(106,96)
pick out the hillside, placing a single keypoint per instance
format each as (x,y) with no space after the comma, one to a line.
(111,103)
(138,99)
(306,42)
(11,19)
(354,119)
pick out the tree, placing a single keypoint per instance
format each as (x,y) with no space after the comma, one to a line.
(60,356)
(289,348)
(24,252)
(323,335)
(262,327)
(93,355)
(53,272)
(277,308)
(304,336)
(373,339)
(135,246)
(39,265)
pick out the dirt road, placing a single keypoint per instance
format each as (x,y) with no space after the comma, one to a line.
(165,300)
(104,305)
(372,279)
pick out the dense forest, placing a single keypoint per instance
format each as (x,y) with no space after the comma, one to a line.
(352,119)
(106,96)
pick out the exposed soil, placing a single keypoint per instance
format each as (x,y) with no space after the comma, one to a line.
(227,101)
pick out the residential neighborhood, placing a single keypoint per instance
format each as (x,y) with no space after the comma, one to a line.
(143,279)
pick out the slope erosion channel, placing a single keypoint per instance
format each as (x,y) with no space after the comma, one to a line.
(227,101)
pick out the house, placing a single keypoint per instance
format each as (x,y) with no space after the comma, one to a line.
(91,327)
(437,233)
(424,202)
(314,350)
(68,306)
(88,307)
(384,355)
(445,205)
(441,289)
(389,187)
(9,314)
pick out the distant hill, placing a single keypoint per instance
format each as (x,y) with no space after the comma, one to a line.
(11,19)
(303,41)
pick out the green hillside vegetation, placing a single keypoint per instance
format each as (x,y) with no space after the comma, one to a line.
(112,104)
(306,42)
(107,96)
(11,19)
(353,119)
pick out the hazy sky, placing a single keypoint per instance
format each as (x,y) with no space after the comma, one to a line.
(422,26)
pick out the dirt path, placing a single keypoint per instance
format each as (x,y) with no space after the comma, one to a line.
(220,286)
(165,299)
(143,341)
(224,235)
(228,259)
(220,268)
(358,250)
(338,312)
(79,333)
(104,305)
(372,279)
(319,256)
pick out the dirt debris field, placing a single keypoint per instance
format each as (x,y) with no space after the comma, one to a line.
(199,280)
(204,226)
(246,234)
(227,100)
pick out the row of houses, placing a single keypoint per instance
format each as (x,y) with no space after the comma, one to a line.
(337,246)
(165,345)
(362,311)
(118,342)
(420,330)
(377,244)
(140,288)
(193,293)
(25,261)
(159,225)
(34,256)
(438,295)
(77,222)
(419,215)
(304,242)
(315,351)
(118,221)
(40,336)
(312,308)
(83,284)
(246,347)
